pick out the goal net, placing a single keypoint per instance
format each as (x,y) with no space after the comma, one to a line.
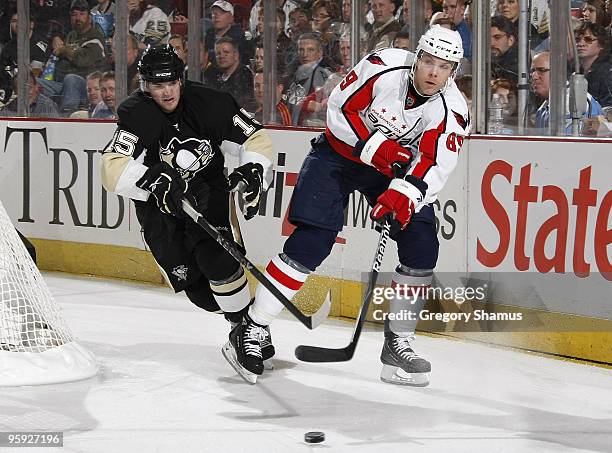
(36,346)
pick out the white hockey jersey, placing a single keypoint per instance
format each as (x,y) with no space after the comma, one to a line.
(374,96)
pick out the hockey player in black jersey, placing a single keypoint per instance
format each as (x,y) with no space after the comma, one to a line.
(167,147)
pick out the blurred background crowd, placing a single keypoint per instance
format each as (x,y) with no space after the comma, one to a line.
(72,53)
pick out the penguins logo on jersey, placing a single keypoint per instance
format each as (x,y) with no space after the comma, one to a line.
(187,156)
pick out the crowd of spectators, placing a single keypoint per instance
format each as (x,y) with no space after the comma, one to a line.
(72,55)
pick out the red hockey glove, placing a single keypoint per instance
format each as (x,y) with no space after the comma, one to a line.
(166,185)
(400,200)
(381,153)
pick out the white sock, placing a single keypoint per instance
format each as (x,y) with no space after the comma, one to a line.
(409,287)
(232,294)
(286,279)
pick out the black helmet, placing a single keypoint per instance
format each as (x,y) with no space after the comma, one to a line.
(160,64)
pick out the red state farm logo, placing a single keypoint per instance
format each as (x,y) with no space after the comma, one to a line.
(583,200)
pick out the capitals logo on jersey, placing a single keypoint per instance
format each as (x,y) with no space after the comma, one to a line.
(187,156)
(375,59)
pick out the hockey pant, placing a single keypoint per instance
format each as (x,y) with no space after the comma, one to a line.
(191,259)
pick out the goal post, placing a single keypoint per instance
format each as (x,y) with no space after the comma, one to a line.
(36,346)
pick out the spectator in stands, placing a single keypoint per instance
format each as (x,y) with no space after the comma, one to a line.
(6,86)
(510,10)
(345,51)
(229,74)
(595,11)
(428,12)
(81,54)
(51,17)
(133,53)
(508,94)
(179,44)
(108,107)
(311,74)
(402,41)
(93,91)
(593,45)
(326,22)
(504,49)
(455,9)
(464,84)
(258,59)
(103,14)
(282,115)
(39,48)
(282,41)
(346,9)
(148,23)
(540,84)
(39,104)
(223,26)
(385,25)
(299,22)
(440,18)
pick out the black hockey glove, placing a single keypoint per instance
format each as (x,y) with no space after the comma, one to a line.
(198,194)
(166,185)
(251,177)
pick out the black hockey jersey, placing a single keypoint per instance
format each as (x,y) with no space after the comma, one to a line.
(189,138)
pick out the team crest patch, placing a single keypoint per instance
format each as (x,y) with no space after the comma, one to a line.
(461,120)
(180,272)
(188,156)
(375,59)
(410,100)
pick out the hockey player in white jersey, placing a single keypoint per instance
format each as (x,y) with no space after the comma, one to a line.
(394,106)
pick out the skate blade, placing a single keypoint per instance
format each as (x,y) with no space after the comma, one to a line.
(395,375)
(268,364)
(230,355)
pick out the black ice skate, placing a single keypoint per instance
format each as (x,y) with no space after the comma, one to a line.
(267,348)
(401,365)
(243,350)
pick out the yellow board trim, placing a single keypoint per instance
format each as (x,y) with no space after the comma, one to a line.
(590,341)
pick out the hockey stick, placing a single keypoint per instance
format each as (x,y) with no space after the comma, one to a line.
(307,353)
(311,321)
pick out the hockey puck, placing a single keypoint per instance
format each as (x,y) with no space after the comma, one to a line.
(314,437)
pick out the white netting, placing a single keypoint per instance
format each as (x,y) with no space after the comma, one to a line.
(31,326)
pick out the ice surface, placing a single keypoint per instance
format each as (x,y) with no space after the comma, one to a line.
(164,387)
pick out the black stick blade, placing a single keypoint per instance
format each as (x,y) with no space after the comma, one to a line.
(315,354)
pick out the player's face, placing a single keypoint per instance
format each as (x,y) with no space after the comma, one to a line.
(509,9)
(431,74)
(165,94)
